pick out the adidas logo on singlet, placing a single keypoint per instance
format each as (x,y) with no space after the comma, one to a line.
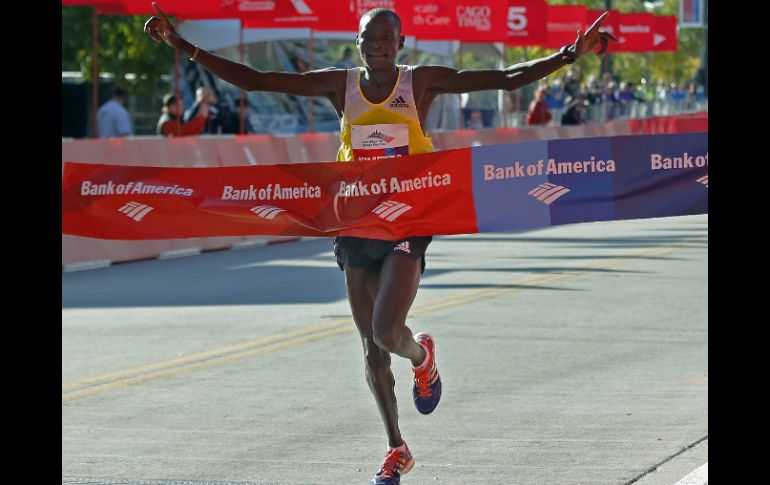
(399,102)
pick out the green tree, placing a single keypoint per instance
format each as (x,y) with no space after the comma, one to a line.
(123,48)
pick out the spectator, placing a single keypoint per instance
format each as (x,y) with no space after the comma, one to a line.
(538,113)
(113,117)
(234,124)
(555,98)
(573,115)
(346,62)
(676,96)
(611,100)
(169,124)
(626,98)
(444,113)
(215,121)
(475,121)
(661,98)
(573,80)
(645,94)
(485,102)
(691,96)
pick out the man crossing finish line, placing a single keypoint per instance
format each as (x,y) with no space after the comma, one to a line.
(382,109)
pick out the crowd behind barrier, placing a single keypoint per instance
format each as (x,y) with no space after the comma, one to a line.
(229,150)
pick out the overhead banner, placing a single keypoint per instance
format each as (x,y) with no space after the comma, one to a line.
(635,32)
(468,190)
(526,22)
(610,24)
(427,19)
(180,8)
(563,24)
(314,14)
(664,37)
(480,20)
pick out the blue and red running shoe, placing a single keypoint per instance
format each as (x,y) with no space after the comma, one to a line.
(396,463)
(427,383)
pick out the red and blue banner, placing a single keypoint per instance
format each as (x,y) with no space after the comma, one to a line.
(491,188)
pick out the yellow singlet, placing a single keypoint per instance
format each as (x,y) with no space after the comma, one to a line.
(389,129)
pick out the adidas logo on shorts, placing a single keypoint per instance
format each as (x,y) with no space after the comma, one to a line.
(404,246)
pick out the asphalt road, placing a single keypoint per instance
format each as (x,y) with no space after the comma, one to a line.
(573,355)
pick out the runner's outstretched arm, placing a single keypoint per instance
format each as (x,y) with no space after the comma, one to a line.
(313,83)
(442,79)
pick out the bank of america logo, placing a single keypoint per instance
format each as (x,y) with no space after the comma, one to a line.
(390,210)
(704,180)
(399,102)
(547,192)
(381,136)
(135,210)
(267,211)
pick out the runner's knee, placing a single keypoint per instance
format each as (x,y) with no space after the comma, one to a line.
(374,355)
(387,337)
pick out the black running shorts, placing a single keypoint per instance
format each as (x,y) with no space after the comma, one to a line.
(359,252)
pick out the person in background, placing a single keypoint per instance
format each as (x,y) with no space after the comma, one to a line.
(112,117)
(554,98)
(214,121)
(234,122)
(676,96)
(573,80)
(444,113)
(611,100)
(626,99)
(573,115)
(538,113)
(661,106)
(346,62)
(483,102)
(170,124)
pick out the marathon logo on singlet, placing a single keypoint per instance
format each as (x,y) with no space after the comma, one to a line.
(373,142)
(399,102)
(381,136)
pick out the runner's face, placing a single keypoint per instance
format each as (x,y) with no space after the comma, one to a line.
(379,41)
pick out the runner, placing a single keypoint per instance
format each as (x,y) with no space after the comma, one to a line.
(392,101)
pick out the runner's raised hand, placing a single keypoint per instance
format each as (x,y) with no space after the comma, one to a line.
(161,28)
(586,43)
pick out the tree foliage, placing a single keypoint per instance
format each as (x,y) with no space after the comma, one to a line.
(123,48)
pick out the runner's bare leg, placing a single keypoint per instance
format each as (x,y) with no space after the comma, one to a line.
(362,286)
(399,280)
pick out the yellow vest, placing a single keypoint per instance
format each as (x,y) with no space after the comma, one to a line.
(399,108)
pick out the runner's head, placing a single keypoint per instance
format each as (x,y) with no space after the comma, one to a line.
(379,38)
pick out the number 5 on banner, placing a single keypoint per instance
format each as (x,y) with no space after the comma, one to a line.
(517,18)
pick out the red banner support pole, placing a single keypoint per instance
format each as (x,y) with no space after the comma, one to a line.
(310,125)
(242,102)
(94,72)
(177,91)
(501,96)
(460,68)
